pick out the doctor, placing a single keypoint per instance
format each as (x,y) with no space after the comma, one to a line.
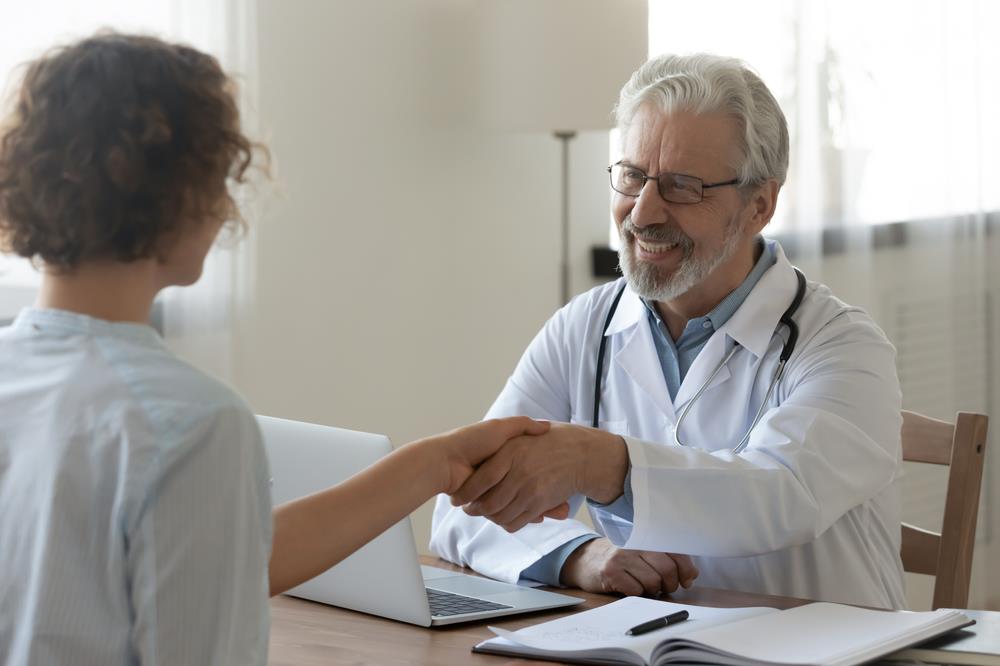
(685,430)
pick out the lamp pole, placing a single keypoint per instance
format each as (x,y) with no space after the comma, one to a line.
(564,136)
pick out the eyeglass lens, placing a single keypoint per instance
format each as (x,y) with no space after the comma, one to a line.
(673,187)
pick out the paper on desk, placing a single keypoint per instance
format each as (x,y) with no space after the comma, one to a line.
(606,626)
(849,634)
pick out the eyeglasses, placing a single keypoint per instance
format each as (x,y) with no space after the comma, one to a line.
(673,187)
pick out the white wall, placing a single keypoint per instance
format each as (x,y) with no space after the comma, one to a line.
(407,259)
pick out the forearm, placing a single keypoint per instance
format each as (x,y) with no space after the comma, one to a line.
(780,495)
(549,567)
(314,533)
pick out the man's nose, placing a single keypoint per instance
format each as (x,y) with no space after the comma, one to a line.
(649,207)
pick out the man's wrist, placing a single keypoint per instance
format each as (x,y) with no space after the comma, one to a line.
(606,464)
(568,573)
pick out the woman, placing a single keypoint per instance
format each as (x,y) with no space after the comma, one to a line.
(135,518)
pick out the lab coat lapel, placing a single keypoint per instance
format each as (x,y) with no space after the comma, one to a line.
(701,369)
(637,357)
(754,324)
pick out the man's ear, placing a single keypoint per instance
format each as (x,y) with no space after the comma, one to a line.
(761,205)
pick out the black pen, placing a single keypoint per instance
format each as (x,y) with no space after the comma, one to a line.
(646,627)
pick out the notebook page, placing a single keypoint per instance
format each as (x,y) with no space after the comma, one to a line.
(526,647)
(979,644)
(821,633)
(604,627)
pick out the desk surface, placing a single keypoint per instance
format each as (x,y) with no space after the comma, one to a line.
(304,633)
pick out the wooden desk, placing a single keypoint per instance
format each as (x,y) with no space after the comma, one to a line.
(304,633)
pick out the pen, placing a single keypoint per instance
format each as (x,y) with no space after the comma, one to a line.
(645,627)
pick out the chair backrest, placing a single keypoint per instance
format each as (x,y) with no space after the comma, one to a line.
(948,555)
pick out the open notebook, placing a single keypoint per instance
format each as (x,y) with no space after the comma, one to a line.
(978,645)
(819,633)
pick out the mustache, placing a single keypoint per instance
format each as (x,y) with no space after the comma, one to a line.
(660,233)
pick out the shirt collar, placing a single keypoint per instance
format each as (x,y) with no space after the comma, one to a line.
(721,313)
(63,321)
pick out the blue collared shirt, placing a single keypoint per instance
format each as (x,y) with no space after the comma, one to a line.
(676,358)
(135,509)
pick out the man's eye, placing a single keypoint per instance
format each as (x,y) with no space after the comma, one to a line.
(634,175)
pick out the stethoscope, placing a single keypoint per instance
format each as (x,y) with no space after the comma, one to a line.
(786,352)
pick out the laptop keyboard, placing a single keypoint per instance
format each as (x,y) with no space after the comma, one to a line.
(447,603)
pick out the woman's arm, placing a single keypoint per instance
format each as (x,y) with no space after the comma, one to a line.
(315,532)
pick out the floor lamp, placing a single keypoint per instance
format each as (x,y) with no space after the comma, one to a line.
(565,136)
(557,66)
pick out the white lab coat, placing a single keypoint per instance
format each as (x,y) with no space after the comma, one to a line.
(810,508)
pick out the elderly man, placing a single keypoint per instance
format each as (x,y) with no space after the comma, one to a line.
(686,430)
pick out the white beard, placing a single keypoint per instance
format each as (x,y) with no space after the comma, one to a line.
(649,282)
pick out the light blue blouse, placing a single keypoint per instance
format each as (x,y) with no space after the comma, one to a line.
(135,513)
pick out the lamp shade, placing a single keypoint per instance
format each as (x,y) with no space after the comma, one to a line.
(551,65)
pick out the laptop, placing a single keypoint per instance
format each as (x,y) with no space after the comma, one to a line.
(384,577)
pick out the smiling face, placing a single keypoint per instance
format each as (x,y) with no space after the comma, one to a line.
(698,251)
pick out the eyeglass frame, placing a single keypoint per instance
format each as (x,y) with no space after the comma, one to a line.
(657,177)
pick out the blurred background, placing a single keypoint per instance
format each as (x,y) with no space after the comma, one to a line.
(439,185)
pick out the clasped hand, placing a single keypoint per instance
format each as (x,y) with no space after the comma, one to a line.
(517,471)
(532,476)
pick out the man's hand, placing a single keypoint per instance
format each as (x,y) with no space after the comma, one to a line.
(598,566)
(463,449)
(530,475)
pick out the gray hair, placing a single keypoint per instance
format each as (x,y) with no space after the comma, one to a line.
(704,83)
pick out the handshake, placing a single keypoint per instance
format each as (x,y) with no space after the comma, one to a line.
(515,471)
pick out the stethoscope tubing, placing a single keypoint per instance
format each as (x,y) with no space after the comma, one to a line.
(786,352)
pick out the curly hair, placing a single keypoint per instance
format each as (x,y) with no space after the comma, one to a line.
(115,144)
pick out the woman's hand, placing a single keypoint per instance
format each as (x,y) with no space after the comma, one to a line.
(464,449)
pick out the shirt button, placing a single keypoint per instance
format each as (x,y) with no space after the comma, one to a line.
(707,324)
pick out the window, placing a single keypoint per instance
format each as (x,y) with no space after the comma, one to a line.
(892,105)
(42,24)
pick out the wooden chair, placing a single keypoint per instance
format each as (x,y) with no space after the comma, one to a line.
(947,556)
